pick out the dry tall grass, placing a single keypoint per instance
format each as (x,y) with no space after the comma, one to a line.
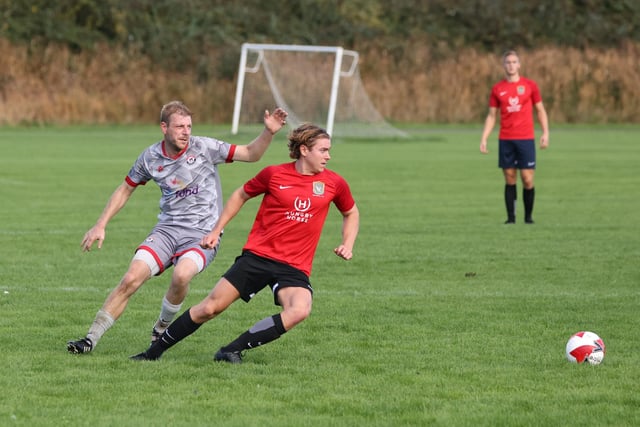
(110,86)
(577,85)
(106,86)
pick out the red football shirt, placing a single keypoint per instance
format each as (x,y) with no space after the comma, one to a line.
(515,100)
(294,207)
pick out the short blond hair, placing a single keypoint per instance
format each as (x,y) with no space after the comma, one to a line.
(510,52)
(171,108)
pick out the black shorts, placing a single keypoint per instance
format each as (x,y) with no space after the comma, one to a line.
(517,153)
(251,273)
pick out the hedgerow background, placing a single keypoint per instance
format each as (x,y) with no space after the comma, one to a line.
(117,61)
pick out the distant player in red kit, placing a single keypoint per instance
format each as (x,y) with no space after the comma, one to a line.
(280,248)
(515,97)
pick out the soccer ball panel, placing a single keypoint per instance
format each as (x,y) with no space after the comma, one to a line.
(585,346)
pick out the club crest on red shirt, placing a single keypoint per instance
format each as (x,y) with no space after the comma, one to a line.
(318,188)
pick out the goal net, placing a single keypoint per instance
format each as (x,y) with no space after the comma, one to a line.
(317,84)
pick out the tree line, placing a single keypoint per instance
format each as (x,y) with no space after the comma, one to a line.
(181,34)
(90,61)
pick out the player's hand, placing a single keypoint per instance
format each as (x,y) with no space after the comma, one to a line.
(483,147)
(210,241)
(544,141)
(94,234)
(276,121)
(343,252)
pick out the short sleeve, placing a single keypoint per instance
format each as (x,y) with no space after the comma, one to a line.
(259,184)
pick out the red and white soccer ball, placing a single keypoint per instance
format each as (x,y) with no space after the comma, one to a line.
(585,346)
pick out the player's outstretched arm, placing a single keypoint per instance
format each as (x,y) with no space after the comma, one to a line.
(117,200)
(254,151)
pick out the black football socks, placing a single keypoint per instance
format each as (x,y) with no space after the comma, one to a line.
(510,196)
(263,332)
(181,328)
(528,196)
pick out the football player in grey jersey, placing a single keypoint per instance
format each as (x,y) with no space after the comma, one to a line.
(185,167)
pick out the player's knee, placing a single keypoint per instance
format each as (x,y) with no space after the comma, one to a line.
(206,310)
(130,283)
(295,315)
(181,278)
(510,177)
(527,183)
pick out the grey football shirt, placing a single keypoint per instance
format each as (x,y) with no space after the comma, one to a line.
(190,184)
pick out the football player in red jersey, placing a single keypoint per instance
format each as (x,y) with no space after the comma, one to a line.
(280,247)
(515,97)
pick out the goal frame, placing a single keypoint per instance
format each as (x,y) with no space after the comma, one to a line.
(259,48)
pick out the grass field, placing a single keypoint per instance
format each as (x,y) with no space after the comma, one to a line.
(444,317)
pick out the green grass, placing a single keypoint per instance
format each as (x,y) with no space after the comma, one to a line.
(444,317)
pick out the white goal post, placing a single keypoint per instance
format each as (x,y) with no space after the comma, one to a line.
(318,84)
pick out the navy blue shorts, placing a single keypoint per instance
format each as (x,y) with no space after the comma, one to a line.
(251,273)
(517,153)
